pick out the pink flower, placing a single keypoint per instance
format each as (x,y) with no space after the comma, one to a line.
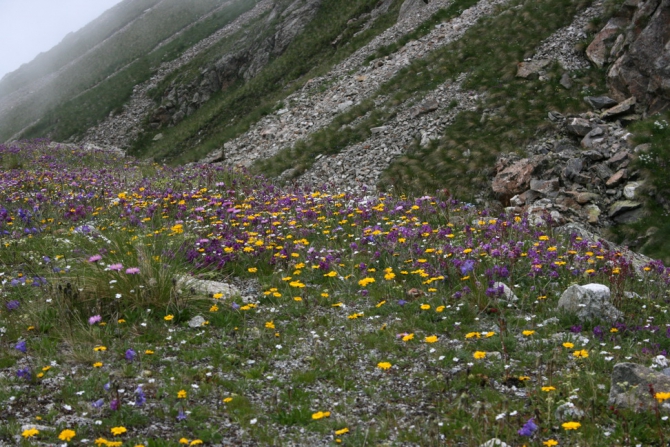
(94,258)
(95,319)
(132,271)
(116,267)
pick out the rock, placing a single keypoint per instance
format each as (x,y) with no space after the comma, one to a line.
(196,322)
(376,130)
(586,197)
(568,412)
(618,157)
(598,50)
(410,8)
(344,106)
(566,81)
(515,178)
(495,442)
(580,126)
(158,137)
(616,178)
(602,171)
(629,217)
(425,107)
(630,387)
(36,427)
(592,214)
(619,109)
(207,287)
(629,190)
(623,206)
(572,168)
(593,138)
(214,157)
(545,187)
(589,302)
(529,69)
(600,102)
(642,70)
(361,78)
(507,293)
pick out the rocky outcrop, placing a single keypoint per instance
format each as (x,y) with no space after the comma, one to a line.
(633,385)
(411,8)
(589,302)
(636,45)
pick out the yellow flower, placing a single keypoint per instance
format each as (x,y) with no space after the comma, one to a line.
(100,348)
(581,354)
(365,281)
(489,334)
(227,399)
(550,442)
(168,317)
(383,365)
(116,431)
(320,415)
(614,330)
(571,425)
(97,364)
(431,339)
(270,325)
(214,308)
(196,442)
(425,306)
(528,333)
(473,335)
(297,298)
(121,321)
(380,304)
(337,305)
(408,337)
(296,284)
(546,389)
(479,354)
(101,441)
(31,432)
(389,276)
(331,274)
(341,431)
(149,352)
(660,397)
(252,269)
(439,309)
(217,296)
(181,394)
(568,345)
(524,378)
(66,435)
(183,441)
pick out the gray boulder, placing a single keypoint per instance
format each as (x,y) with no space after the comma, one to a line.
(589,302)
(410,8)
(630,387)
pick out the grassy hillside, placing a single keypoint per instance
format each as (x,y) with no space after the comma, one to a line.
(233,111)
(112,55)
(360,321)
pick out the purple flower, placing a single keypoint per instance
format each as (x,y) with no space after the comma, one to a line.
(13,305)
(576,329)
(528,428)
(115,267)
(402,302)
(94,319)
(21,346)
(24,373)
(598,332)
(130,355)
(235,306)
(181,416)
(94,258)
(98,403)
(115,405)
(140,398)
(467,267)
(132,271)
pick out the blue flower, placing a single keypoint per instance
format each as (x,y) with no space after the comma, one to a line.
(24,373)
(130,355)
(467,267)
(98,403)
(21,346)
(528,428)
(181,416)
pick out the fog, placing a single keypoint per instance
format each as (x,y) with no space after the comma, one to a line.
(29,27)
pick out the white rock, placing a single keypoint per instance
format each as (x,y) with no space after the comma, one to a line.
(589,302)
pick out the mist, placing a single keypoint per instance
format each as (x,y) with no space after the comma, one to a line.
(30,27)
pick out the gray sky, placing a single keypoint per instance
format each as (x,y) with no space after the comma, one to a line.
(30,27)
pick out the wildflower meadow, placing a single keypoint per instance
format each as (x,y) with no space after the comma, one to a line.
(329,317)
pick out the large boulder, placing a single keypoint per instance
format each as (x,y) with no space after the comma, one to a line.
(589,302)
(644,70)
(631,387)
(515,179)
